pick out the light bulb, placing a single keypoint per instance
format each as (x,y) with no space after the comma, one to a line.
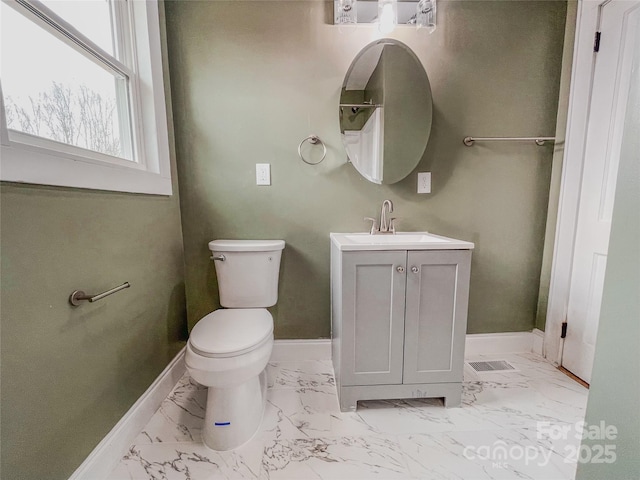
(387,11)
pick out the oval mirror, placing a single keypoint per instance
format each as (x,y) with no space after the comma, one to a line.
(385,111)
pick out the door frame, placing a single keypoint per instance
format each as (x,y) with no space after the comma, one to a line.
(588,15)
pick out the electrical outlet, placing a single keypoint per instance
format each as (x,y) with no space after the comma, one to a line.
(263,174)
(424,182)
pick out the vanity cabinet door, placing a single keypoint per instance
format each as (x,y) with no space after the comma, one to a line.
(373,286)
(436,315)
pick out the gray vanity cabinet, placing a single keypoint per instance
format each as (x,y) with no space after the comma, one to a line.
(436,315)
(373,308)
(398,324)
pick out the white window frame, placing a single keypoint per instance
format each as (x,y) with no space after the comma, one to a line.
(29,159)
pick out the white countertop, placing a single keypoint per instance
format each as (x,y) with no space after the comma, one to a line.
(397,241)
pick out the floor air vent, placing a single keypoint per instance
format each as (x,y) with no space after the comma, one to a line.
(492,366)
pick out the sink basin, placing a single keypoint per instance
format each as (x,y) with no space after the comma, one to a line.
(365,239)
(399,241)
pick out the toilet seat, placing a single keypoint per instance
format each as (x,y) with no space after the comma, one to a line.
(231,332)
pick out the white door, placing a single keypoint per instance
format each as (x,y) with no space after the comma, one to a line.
(619,24)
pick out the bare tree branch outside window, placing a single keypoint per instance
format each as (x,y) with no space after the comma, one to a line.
(78,116)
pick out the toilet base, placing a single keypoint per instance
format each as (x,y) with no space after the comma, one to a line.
(234,413)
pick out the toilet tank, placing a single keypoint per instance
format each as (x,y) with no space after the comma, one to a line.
(248,275)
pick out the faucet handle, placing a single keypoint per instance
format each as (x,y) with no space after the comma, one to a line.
(374,225)
(392,225)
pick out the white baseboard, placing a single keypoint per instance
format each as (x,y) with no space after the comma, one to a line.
(538,341)
(288,350)
(104,458)
(500,343)
(476,344)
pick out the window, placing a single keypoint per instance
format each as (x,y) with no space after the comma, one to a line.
(82,95)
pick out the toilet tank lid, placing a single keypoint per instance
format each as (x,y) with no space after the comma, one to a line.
(246,245)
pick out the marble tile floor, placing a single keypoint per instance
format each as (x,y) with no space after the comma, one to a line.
(508,427)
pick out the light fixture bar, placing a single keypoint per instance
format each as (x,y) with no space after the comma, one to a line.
(367,12)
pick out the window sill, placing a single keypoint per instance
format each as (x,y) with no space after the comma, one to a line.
(25,165)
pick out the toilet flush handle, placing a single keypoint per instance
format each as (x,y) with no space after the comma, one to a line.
(222,258)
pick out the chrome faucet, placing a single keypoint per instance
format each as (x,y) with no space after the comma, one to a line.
(385,225)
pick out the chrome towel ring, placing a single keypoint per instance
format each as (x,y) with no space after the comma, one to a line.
(313,140)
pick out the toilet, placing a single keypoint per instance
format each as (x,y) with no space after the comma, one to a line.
(229,348)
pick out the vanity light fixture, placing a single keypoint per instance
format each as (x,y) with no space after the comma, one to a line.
(387,14)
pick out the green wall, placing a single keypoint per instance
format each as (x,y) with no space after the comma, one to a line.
(614,395)
(69,374)
(252,79)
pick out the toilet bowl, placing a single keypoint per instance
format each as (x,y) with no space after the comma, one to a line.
(226,352)
(228,349)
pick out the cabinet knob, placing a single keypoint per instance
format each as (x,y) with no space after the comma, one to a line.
(415,269)
(400,269)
